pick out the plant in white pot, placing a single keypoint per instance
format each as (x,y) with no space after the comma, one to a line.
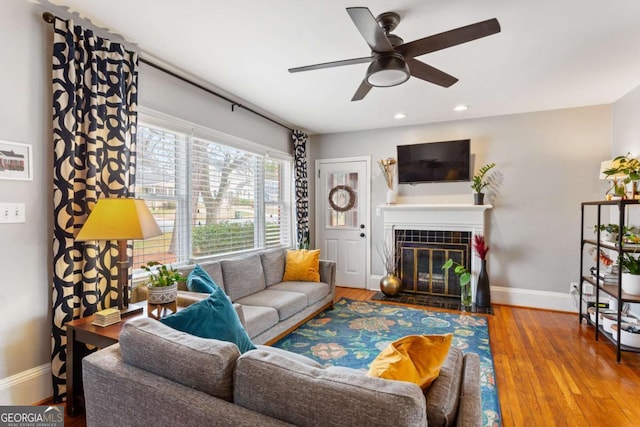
(162,282)
(630,273)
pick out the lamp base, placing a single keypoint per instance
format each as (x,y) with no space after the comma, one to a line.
(131,310)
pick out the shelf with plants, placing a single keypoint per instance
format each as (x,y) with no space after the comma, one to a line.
(606,277)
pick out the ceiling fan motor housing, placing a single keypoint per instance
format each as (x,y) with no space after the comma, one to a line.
(387,69)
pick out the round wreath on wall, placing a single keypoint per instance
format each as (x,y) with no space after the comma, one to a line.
(334,197)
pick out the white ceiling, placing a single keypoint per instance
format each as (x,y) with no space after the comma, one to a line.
(550,54)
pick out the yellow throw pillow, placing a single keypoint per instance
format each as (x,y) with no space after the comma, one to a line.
(414,358)
(302,265)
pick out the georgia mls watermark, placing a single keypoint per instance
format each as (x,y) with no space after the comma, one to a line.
(31,416)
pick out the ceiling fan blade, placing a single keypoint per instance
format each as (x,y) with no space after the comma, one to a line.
(331,64)
(370,29)
(362,91)
(449,38)
(430,74)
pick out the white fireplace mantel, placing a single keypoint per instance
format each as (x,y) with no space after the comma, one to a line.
(436,217)
(440,217)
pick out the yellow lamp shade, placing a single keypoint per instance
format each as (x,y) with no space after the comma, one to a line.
(119,219)
(610,164)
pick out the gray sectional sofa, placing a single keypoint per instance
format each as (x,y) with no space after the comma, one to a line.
(267,306)
(156,375)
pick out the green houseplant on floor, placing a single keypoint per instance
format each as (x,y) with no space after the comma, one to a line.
(465,280)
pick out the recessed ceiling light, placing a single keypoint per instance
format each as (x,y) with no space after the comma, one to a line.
(400,116)
(461,107)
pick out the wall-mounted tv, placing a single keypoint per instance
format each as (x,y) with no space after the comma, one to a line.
(444,161)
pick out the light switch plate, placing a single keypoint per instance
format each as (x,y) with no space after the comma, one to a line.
(12,213)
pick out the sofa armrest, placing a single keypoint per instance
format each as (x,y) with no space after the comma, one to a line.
(470,406)
(328,273)
(240,312)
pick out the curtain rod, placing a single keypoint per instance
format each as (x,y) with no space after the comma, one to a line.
(50,18)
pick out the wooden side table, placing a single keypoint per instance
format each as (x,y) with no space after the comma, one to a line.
(79,333)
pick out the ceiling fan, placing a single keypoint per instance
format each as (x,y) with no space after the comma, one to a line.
(392,60)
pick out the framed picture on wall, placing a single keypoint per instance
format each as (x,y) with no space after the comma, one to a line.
(15,161)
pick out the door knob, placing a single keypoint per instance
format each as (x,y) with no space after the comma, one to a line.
(361,225)
(361,234)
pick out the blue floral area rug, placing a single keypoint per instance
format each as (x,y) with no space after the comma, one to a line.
(354,332)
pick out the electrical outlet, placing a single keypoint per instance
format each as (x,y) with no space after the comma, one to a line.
(573,286)
(12,213)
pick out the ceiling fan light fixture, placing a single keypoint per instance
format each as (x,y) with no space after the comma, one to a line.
(387,70)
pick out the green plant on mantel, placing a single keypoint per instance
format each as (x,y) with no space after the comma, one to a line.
(478,183)
(160,275)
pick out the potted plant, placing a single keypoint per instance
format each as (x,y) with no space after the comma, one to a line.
(162,282)
(465,280)
(479,183)
(630,273)
(608,232)
(630,168)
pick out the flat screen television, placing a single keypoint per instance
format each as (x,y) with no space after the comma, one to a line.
(445,161)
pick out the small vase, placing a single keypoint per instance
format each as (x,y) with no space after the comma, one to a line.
(390,285)
(478,198)
(392,196)
(465,296)
(483,291)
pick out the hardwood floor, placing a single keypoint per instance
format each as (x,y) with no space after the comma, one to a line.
(550,371)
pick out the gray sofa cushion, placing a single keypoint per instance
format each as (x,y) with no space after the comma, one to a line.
(215,271)
(273,265)
(287,303)
(314,291)
(470,406)
(242,276)
(258,319)
(284,388)
(294,356)
(443,394)
(204,364)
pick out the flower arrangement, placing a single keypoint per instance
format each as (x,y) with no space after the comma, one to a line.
(480,246)
(388,168)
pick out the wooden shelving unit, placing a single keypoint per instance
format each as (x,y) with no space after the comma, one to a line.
(613,290)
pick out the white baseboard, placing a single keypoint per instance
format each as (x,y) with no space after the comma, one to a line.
(28,387)
(513,296)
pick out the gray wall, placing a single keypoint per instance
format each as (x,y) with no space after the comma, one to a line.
(549,163)
(25,249)
(626,139)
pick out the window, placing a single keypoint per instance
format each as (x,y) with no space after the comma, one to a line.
(209,195)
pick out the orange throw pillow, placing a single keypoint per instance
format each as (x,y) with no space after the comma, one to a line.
(302,265)
(414,358)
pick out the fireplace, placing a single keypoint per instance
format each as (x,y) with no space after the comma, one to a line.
(421,254)
(428,235)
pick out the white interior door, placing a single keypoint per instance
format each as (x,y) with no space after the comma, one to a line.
(342,217)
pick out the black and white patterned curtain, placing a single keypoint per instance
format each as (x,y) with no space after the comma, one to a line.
(94,129)
(302,188)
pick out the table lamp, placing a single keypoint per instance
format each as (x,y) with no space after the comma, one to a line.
(120,219)
(615,186)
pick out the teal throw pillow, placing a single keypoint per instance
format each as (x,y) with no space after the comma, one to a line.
(200,281)
(213,317)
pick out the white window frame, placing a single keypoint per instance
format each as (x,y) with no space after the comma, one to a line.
(151,118)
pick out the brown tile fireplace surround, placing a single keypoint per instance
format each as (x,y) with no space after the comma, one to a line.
(426,236)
